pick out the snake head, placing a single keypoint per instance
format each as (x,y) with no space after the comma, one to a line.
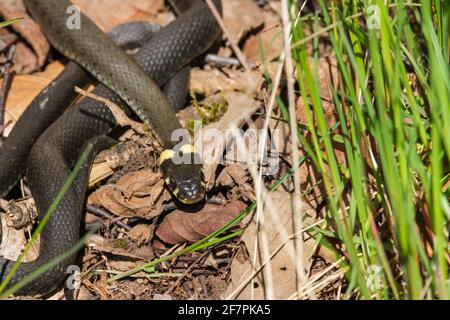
(185,180)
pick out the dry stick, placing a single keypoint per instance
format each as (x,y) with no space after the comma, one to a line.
(318,276)
(261,149)
(187,271)
(222,61)
(262,144)
(244,283)
(7,79)
(202,280)
(120,116)
(318,286)
(105,214)
(4,126)
(297,219)
(232,41)
(261,219)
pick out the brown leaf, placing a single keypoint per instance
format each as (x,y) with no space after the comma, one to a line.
(110,13)
(270,40)
(181,226)
(328,78)
(84,294)
(137,194)
(7,38)
(141,233)
(237,23)
(278,228)
(240,108)
(107,161)
(231,173)
(29,30)
(122,265)
(24,61)
(236,177)
(25,88)
(211,81)
(117,247)
(12,240)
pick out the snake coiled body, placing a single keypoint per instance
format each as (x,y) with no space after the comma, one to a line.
(88,122)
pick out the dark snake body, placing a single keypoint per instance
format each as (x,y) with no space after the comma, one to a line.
(53,155)
(48,105)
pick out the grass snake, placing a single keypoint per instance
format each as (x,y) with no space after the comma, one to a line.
(128,82)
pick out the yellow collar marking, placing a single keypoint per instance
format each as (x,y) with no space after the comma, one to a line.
(188,148)
(165,155)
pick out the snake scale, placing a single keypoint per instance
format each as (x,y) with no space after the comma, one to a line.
(135,84)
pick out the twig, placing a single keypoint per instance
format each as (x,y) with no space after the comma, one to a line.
(202,279)
(187,271)
(262,265)
(260,189)
(118,113)
(6,85)
(226,62)
(104,214)
(221,61)
(230,38)
(4,126)
(4,204)
(257,176)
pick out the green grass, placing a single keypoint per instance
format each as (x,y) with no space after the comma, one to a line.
(9,22)
(387,207)
(388,203)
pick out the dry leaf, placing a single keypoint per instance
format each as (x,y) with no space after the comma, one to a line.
(25,61)
(137,194)
(25,88)
(239,24)
(231,173)
(181,226)
(282,264)
(84,294)
(269,39)
(107,161)
(140,233)
(236,177)
(29,30)
(13,241)
(114,247)
(240,108)
(212,81)
(110,13)
(7,38)
(328,77)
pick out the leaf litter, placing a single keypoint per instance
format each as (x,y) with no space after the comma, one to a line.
(125,182)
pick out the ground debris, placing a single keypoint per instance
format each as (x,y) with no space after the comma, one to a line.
(180,226)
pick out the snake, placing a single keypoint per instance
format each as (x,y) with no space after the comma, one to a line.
(132,82)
